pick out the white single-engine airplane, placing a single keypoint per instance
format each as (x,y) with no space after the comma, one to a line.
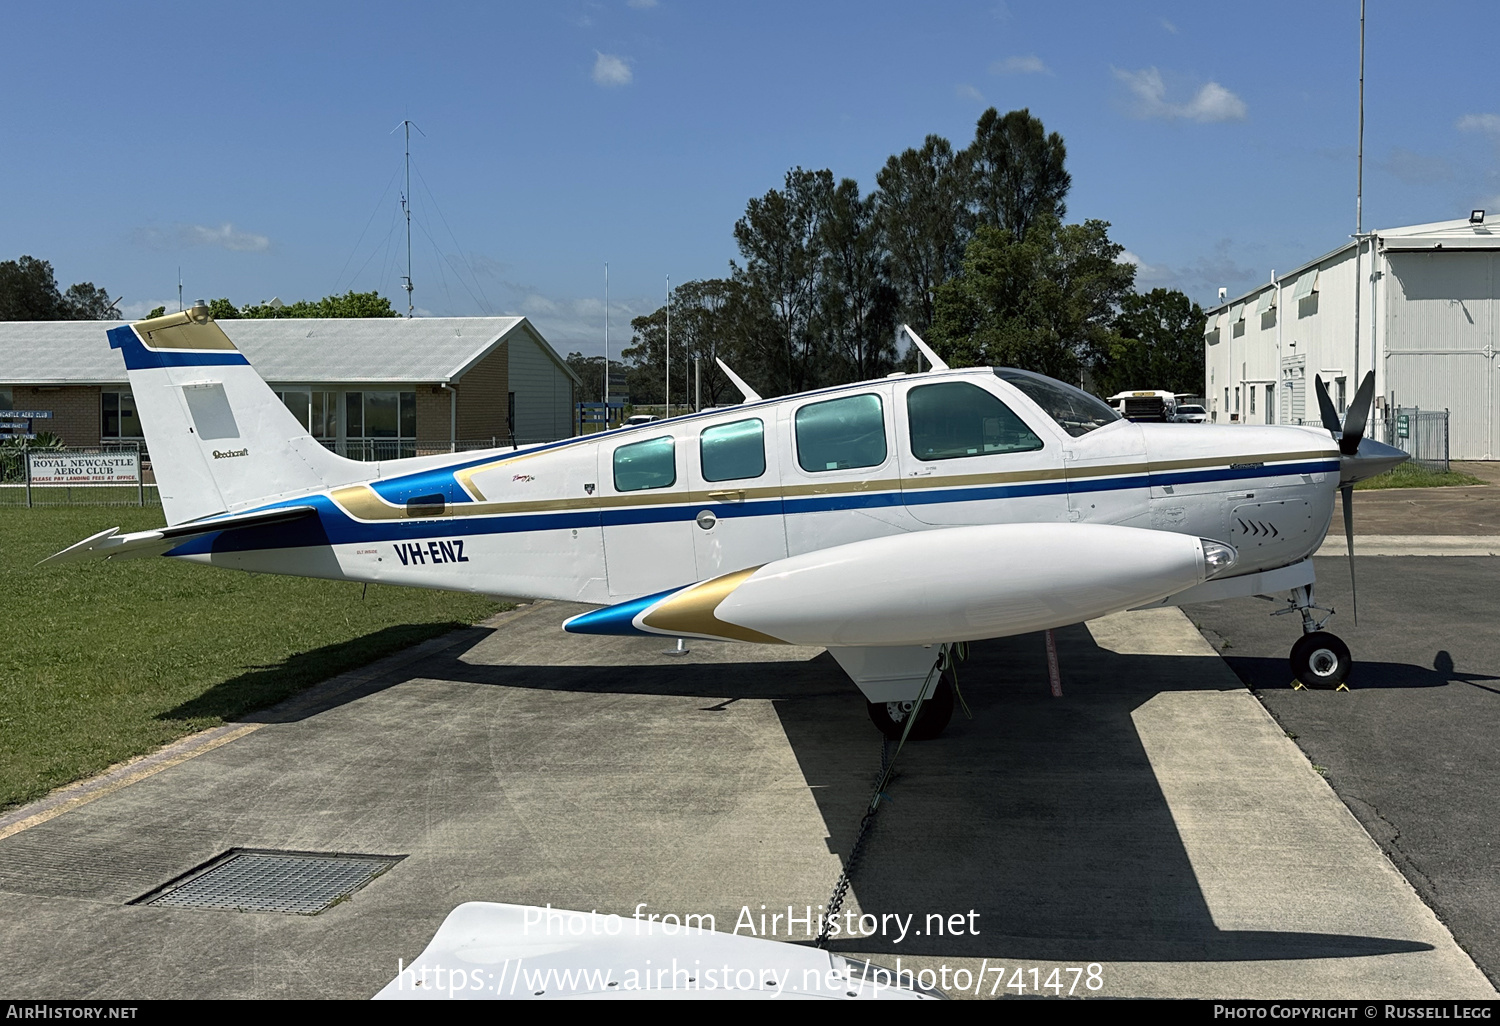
(885,520)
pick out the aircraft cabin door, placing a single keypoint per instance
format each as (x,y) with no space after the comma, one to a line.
(967,457)
(736,493)
(648,531)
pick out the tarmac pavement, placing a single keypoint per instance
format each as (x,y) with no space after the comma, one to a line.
(1411,747)
(1154,821)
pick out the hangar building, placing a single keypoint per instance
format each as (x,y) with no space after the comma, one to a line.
(368,388)
(1428,325)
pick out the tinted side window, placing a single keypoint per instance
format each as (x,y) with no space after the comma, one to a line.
(955,419)
(733,452)
(841,434)
(651,464)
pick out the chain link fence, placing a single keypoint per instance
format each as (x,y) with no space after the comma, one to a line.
(118,482)
(1422,434)
(18,488)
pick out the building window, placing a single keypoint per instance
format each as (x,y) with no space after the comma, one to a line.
(1236,399)
(380,425)
(1339,386)
(841,434)
(316,411)
(119,419)
(1252,398)
(733,452)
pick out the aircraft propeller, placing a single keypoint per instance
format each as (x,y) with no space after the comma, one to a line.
(1350,436)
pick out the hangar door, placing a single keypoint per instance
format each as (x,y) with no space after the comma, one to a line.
(1441,342)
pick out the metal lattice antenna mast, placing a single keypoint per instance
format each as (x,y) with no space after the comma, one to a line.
(408,125)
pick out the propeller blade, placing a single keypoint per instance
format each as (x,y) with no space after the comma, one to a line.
(1358,415)
(1348,495)
(1325,407)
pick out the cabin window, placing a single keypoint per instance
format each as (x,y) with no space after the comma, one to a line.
(1074,410)
(841,434)
(119,418)
(733,452)
(651,464)
(956,419)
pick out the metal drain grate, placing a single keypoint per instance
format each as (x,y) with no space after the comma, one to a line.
(251,880)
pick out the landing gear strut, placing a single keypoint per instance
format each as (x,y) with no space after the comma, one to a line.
(1318,659)
(936,711)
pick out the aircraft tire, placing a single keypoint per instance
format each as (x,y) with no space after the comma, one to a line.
(931,722)
(1320,660)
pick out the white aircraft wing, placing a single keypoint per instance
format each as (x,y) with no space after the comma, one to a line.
(111,544)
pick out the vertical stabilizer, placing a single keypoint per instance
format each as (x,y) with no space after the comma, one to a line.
(219,438)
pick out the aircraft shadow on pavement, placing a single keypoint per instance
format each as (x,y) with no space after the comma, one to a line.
(1041,814)
(1265,674)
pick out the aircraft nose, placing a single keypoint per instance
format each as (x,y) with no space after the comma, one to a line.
(1372,458)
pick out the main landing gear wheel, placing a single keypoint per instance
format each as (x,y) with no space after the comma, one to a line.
(1320,660)
(937,710)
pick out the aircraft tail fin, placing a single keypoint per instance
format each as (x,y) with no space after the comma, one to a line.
(220,440)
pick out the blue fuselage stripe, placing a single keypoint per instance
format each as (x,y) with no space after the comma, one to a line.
(333,526)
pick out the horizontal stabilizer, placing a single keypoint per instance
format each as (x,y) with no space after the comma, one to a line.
(111,544)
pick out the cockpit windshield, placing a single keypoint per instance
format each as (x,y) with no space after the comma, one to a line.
(1075,411)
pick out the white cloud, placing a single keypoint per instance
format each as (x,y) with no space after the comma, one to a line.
(1030,64)
(1145,274)
(641,5)
(187,236)
(1211,103)
(1489,124)
(611,71)
(1169,26)
(138,311)
(968,92)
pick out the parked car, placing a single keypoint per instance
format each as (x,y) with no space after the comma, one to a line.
(1190,415)
(639,419)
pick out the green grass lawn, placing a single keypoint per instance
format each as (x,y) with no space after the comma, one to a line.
(1410,475)
(102,661)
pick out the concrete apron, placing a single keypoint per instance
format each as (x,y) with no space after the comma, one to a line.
(1279,859)
(1153,822)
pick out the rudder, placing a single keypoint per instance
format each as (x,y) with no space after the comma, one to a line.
(220,440)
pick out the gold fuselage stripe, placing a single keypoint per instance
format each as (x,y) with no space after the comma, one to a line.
(361,501)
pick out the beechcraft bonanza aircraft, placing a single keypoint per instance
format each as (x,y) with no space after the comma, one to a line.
(885,521)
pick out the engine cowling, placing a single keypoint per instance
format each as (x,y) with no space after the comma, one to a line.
(957,584)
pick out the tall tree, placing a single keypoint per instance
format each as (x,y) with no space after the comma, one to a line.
(778,239)
(1160,345)
(924,222)
(1044,302)
(708,321)
(28,292)
(857,304)
(1015,171)
(590,370)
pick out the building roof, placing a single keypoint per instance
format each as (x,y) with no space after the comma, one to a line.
(308,350)
(1438,235)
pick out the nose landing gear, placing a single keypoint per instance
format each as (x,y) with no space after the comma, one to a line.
(1318,659)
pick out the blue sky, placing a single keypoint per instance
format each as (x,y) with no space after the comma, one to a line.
(251,144)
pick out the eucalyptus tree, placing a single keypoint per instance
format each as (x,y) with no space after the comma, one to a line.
(857,304)
(922,210)
(708,322)
(779,239)
(1044,301)
(1015,171)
